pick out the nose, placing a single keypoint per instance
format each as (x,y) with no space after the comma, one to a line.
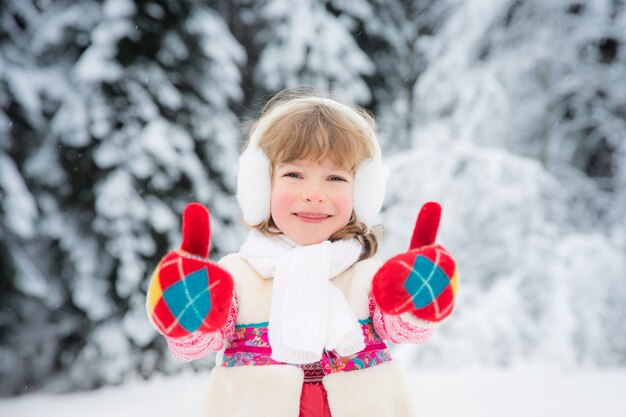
(314,194)
(315,198)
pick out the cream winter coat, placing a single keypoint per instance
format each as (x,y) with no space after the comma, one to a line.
(274,390)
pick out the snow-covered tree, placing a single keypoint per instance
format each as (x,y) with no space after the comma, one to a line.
(392,33)
(38,320)
(304,43)
(544,79)
(126,110)
(520,133)
(538,281)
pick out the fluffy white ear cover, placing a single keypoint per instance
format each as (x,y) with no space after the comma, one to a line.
(369,190)
(254,184)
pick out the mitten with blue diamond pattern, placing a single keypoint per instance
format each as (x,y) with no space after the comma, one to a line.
(187,292)
(421,281)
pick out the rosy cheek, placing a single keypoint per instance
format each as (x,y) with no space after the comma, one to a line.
(280,203)
(345,205)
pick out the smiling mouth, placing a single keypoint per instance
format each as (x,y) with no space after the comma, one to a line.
(312,217)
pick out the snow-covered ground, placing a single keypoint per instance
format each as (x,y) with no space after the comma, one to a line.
(463,393)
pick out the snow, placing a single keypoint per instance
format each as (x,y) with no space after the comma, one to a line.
(97,63)
(15,199)
(118,8)
(224,51)
(25,90)
(72,119)
(52,26)
(472,392)
(537,282)
(161,87)
(309,46)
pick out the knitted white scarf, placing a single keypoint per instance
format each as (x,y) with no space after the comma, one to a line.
(308,312)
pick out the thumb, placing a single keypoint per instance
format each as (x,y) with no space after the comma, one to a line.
(196,230)
(426,225)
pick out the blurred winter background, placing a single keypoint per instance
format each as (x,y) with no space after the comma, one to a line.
(114,114)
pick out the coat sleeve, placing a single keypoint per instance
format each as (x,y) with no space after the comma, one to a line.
(402,328)
(198,344)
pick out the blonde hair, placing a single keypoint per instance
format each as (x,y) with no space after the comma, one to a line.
(313,131)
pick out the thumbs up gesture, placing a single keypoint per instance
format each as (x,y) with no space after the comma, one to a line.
(421,281)
(187,292)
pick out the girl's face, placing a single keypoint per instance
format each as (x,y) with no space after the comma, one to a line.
(311,200)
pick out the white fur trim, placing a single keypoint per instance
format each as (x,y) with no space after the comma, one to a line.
(379,391)
(245,391)
(254,185)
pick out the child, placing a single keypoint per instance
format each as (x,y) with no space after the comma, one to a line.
(299,316)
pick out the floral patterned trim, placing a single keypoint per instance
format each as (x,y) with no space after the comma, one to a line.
(266,323)
(249,346)
(333,363)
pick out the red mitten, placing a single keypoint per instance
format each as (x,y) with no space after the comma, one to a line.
(187,292)
(422,281)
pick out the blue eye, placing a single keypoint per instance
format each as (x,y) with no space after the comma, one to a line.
(337,178)
(292,175)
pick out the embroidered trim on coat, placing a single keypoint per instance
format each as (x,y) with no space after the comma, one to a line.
(249,346)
